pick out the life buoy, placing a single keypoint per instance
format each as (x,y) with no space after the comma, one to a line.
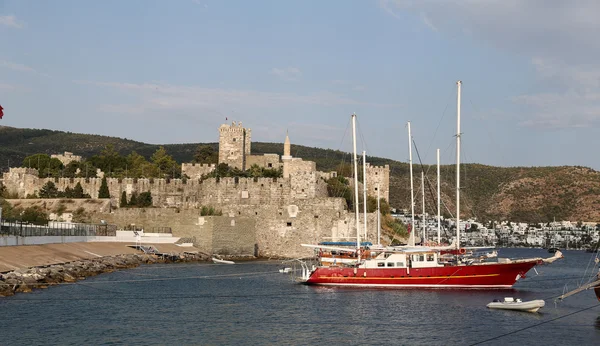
(462,251)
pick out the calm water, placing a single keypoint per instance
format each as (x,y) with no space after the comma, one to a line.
(253,304)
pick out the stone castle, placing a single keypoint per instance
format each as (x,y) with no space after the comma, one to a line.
(295,208)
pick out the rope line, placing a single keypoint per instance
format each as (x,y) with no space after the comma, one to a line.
(536,325)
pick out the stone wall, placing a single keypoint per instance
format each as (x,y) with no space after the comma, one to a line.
(66,158)
(265,160)
(298,165)
(197,170)
(244,230)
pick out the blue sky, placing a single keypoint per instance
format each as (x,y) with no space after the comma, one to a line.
(172,71)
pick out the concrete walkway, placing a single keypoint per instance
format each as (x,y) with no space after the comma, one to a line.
(27,256)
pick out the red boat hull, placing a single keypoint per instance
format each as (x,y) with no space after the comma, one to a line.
(489,275)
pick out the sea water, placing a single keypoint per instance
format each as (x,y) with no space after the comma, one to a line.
(251,303)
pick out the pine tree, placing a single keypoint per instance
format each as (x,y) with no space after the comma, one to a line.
(133,199)
(123,199)
(144,200)
(103,192)
(49,190)
(78,191)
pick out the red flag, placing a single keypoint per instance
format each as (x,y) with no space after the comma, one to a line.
(1,112)
(409,228)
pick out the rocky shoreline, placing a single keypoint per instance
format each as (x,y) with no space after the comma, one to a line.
(27,279)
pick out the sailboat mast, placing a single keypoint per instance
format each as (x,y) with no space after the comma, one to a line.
(423,235)
(365,190)
(439,226)
(411,238)
(356,185)
(458,83)
(378,218)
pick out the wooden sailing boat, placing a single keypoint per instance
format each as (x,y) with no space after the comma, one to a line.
(419,266)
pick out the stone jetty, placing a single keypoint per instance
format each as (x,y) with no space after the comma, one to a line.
(45,274)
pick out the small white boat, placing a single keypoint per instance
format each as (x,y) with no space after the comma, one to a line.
(285,270)
(517,304)
(220,261)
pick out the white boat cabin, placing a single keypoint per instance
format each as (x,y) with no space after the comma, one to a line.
(403,260)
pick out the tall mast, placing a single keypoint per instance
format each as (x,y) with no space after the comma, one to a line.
(439,240)
(365,190)
(458,165)
(423,235)
(411,238)
(378,218)
(356,185)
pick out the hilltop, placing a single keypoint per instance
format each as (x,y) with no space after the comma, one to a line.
(526,194)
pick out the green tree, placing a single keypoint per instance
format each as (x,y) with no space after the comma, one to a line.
(8,211)
(78,191)
(109,161)
(338,187)
(133,199)
(46,166)
(144,200)
(80,216)
(344,169)
(138,166)
(123,199)
(165,164)
(35,215)
(206,154)
(49,190)
(103,192)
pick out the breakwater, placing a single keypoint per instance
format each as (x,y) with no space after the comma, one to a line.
(27,279)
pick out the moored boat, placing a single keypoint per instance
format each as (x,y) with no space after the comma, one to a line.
(220,261)
(420,266)
(510,303)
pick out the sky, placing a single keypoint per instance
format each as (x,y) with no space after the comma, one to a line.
(165,72)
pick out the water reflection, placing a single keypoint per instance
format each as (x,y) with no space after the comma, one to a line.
(597,324)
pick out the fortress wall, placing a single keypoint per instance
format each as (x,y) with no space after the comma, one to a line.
(265,160)
(270,230)
(298,165)
(307,185)
(234,236)
(196,170)
(191,193)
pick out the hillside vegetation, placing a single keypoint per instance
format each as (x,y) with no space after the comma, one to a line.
(527,194)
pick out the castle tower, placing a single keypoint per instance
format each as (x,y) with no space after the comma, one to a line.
(287,156)
(378,176)
(234,145)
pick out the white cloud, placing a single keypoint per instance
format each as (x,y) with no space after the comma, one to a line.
(288,74)
(11,87)
(152,96)
(575,75)
(15,66)
(346,83)
(11,21)
(559,38)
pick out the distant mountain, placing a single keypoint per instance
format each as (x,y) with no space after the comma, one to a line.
(526,194)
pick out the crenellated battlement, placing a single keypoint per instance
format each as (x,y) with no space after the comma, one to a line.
(198,165)
(17,171)
(197,170)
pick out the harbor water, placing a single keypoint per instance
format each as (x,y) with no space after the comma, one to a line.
(252,303)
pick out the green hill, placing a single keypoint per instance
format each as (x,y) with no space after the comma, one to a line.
(526,194)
